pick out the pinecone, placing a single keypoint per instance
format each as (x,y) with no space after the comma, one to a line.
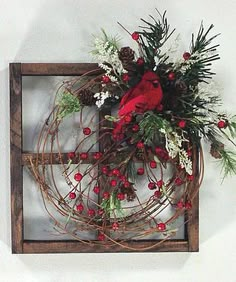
(215,150)
(126,55)
(130,193)
(86,97)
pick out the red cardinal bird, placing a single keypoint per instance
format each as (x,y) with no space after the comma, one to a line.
(144,96)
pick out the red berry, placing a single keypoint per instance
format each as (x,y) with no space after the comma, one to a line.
(186,56)
(171,76)
(83,156)
(116,172)
(78,177)
(71,155)
(140,145)
(140,61)
(97,155)
(91,212)
(106,195)
(158,150)
(122,178)
(190,177)
(162,153)
(127,184)
(161,226)
(151,185)
(104,169)
(182,123)
(80,207)
(157,194)
(135,128)
(106,79)
(101,237)
(115,226)
(188,205)
(72,195)
(160,183)
(222,124)
(121,196)
(180,205)
(178,181)
(153,164)
(96,189)
(113,182)
(128,118)
(135,36)
(87,131)
(140,171)
(125,77)
(189,152)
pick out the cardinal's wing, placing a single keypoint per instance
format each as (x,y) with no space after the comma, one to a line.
(132,105)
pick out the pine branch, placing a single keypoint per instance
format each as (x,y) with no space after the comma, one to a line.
(68,104)
(154,35)
(150,126)
(228,162)
(202,56)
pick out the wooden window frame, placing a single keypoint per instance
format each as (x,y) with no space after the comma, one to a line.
(19,159)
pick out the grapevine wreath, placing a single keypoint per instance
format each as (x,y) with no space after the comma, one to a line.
(158,112)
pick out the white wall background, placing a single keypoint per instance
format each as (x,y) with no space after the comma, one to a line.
(60,31)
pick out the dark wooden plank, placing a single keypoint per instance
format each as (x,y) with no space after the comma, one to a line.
(192,217)
(38,69)
(16,165)
(77,247)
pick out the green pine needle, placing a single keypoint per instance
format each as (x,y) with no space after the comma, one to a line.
(150,126)
(68,104)
(228,162)
(112,205)
(154,35)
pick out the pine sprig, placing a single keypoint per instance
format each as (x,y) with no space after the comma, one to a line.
(232,127)
(228,162)
(154,35)
(202,56)
(112,205)
(150,126)
(68,104)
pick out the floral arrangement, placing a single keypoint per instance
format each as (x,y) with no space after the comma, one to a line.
(154,114)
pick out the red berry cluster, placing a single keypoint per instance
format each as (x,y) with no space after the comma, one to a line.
(181,205)
(162,153)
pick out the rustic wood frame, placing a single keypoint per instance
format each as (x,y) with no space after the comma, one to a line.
(19,159)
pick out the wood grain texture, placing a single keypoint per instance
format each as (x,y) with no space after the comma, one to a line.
(192,217)
(40,69)
(77,247)
(16,165)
